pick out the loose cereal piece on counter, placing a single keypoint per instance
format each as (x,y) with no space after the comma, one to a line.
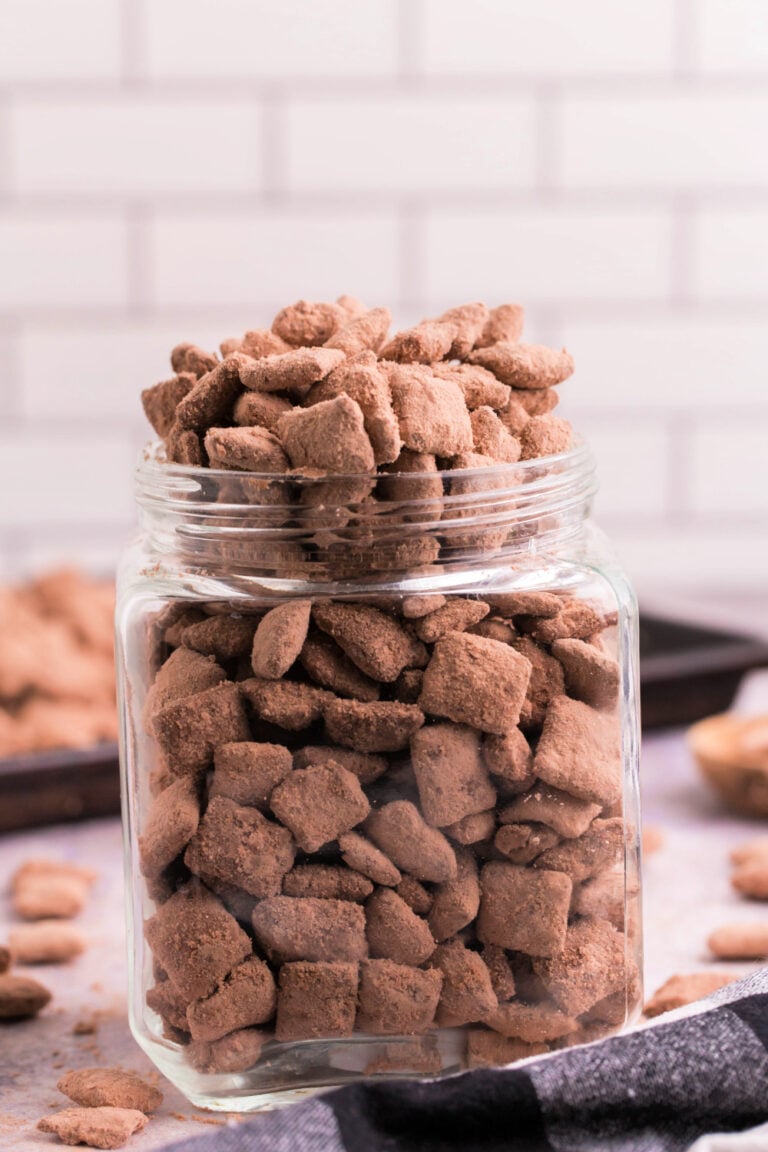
(428,341)
(565,813)
(184,673)
(245,997)
(306,324)
(396,999)
(261,342)
(579,752)
(188,730)
(744,941)
(751,880)
(285,703)
(525,365)
(467,994)
(171,823)
(279,638)
(329,436)
(262,409)
(366,858)
(541,604)
(399,830)
(603,896)
(225,637)
(366,331)
(472,829)
(381,726)
(96,1127)
(191,358)
(196,941)
(432,414)
(305,928)
(160,401)
(590,675)
(479,386)
(590,966)
(241,847)
(450,774)
(475,681)
(211,400)
(575,621)
(364,765)
(490,1050)
(522,843)
(454,616)
(21,997)
(651,839)
(182,446)
(456,901)
(376,642)
(415,895)
(249,772)
(547,681)
(597,849)
(492,438)
(415,607)
(294,371)
(510,758)
(110,1087)
(236,1052)
(327,882)
(363,381)
(686,988)
(45,942)
(327,664)
(469,320)
(316,1000)
(319,804)
(502,976)
(545,436)
(5,959)
(523,910)
(751,852)
(245,450)
(394,931)
(533,1023)
(504,323)
(49,889)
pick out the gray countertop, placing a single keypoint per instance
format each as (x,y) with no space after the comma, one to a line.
(686,894)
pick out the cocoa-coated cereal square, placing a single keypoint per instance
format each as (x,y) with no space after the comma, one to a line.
(241,847)
(523,910)
(316,999)
(396,999)
(475,681)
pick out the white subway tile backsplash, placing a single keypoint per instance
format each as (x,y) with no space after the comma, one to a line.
(263,40)
(733,36)
(631,457)
(64,479)
(548,37)
(729,558)
(52,40)
(731,259)
(135,145)
(52,259)
(665,139)
(269,258)
(419,143)
(729,469)
(548,253)
(680,363)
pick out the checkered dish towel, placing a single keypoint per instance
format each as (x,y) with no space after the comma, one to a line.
(697,1071)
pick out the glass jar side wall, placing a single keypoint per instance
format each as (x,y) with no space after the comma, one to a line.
(286,935)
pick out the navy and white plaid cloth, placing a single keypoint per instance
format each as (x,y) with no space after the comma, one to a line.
(696,1072)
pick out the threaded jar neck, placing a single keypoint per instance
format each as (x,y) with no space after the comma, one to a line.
(310,529)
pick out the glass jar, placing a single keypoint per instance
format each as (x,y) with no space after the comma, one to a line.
(379,754)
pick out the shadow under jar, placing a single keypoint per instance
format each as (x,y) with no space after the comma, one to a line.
(379,753)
